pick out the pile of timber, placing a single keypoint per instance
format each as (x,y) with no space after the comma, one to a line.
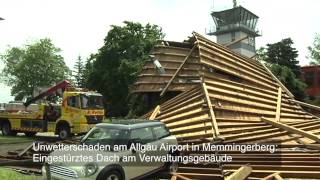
(22,160)
(228,97)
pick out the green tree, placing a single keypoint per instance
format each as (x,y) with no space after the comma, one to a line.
(290,80)
(34,65)
(281,58)
(282,53)
(88,69)
(314,50)
(117,64)
(79,70)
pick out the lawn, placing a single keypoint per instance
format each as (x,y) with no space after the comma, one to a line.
(14,139)
(7,174)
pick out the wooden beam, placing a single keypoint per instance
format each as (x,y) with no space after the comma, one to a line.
(277,80)
(278,111)
(174,177)
(291,129)
(271,176)
(305,104)
(313,146)
(11,162)
(278,177)
(213,117)
(155,112)
(240,174)
(254,56)
(236,41)
(178,70)
(25,150)
(180,176)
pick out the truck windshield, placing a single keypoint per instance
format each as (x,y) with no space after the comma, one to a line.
(91,102)
(107,136)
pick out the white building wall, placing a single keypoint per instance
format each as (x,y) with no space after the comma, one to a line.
(224,38)
(228,38)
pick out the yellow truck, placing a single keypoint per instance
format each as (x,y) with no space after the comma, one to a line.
(79,111)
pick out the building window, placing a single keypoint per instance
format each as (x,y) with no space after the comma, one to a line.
(251,41)
(233,36)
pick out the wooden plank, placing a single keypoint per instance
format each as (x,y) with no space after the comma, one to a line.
(174,177)
(277,80)
(291,129)
(257,112)
(182,109)
(180,176)
(178,70)
(313,146)
(199,119)
(261,138)
(241,63)
(306,104)
(271,176)
(234,70)
(181,98)
(187,114)
(278,177)
(25,150)
(227,51)
(213,118)
(262,95)
(249,134)
(155,113)
(278,111)
(240,174)
(215,78)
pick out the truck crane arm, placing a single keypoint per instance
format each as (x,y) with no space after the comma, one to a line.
(63,85)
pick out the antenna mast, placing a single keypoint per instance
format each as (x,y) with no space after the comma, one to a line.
(234,3)
(212,5)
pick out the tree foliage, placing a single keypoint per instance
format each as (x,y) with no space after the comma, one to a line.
(78,73)
(314,50)
(281,58)
(282,53)
(34,65)
(290,80)
(88,69)
(117,64)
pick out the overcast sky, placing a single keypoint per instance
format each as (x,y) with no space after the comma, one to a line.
(78,27)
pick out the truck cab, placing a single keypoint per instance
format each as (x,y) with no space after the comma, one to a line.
(79,110)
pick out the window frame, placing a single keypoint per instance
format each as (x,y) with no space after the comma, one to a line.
(149,141)
(77,102)
(161,137)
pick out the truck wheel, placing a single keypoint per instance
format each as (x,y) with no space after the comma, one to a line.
(30,134)
(6,130)
(64,132)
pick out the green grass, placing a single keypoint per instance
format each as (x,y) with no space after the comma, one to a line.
(107,120)
(7,174)
(14,139)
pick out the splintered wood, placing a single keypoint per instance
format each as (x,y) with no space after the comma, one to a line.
(235,99)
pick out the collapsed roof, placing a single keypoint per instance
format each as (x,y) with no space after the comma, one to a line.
(235,99)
